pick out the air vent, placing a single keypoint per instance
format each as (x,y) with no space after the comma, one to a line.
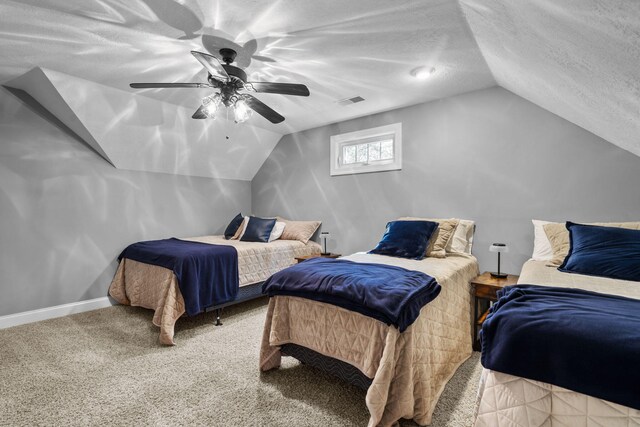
(349,101)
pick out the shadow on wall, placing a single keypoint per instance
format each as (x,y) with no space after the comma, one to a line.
(488,156)
(38,109)
(67,214)
(138,133)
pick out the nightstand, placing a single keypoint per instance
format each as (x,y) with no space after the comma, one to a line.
(484,288)
(306,257)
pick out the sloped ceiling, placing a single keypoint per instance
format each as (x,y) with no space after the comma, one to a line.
(574,58)
(138,133)
(339,49)
(578,59)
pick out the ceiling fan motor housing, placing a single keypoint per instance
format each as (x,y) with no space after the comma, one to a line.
(228,55)
(228,95)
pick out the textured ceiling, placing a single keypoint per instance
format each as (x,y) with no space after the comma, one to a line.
(338,48)
(575,58)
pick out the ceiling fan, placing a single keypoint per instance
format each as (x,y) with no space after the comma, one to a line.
(233,85)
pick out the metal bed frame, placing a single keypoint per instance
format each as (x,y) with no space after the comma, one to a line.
(245,293)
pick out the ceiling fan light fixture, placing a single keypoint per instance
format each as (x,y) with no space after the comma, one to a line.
(241,111)
(231,81)
(210,104)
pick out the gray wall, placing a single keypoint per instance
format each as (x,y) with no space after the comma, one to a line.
(489,156)
(65,213)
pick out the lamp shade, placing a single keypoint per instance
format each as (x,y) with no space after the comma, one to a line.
(325,235)
(498,247)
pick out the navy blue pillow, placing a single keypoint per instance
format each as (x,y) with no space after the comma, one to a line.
(603,251)
(406,239)
(233,226)
(258,229)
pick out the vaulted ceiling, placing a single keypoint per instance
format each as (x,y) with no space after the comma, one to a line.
(578,59)
(575,58)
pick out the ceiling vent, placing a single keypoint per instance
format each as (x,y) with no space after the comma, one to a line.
(349,101)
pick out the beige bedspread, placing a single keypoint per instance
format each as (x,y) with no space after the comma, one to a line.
(156,288)
(510,401)
(409,369)
(537,273)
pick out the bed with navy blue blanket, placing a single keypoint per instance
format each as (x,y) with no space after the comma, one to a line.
(178,276)
(583,341)
(563,351)
(393,295)
(402,324)
(207,274)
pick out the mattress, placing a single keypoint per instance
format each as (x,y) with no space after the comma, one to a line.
(156,288)
(506,400)
(408,370)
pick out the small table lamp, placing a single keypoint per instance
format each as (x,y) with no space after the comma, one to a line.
(324,235)
(498,247)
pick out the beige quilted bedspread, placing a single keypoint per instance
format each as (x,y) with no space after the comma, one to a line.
(510,401)
(409,369)
(156,288)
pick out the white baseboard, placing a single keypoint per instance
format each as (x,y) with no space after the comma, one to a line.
(52,312)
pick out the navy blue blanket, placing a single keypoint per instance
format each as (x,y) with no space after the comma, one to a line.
(393,295)
(583,341)
(207,274)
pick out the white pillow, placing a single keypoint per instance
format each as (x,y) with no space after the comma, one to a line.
(471,230)
(277,230)
(462,240)
(541,246)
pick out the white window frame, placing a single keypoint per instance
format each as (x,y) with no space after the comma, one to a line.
(362,136)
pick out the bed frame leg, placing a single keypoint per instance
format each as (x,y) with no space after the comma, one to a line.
(218,313)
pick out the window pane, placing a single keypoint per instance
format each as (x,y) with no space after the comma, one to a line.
(374,151)
(361,156)
(386,149)
(368,150)
(348,154)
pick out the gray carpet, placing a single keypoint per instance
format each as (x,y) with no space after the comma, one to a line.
(105,368)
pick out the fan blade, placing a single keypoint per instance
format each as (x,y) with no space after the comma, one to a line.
(199,114)
(166,85)
(212,64)
(281,88)
(263,109)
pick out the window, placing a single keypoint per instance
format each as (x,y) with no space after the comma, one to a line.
(370,150)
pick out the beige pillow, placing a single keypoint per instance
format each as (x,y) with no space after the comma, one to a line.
(298,230)
(441,237)
(558,236)
(240,229)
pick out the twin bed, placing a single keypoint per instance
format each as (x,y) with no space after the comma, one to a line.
(404,371)
(157,288)
(602,342)
(408,370)
(510,400)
